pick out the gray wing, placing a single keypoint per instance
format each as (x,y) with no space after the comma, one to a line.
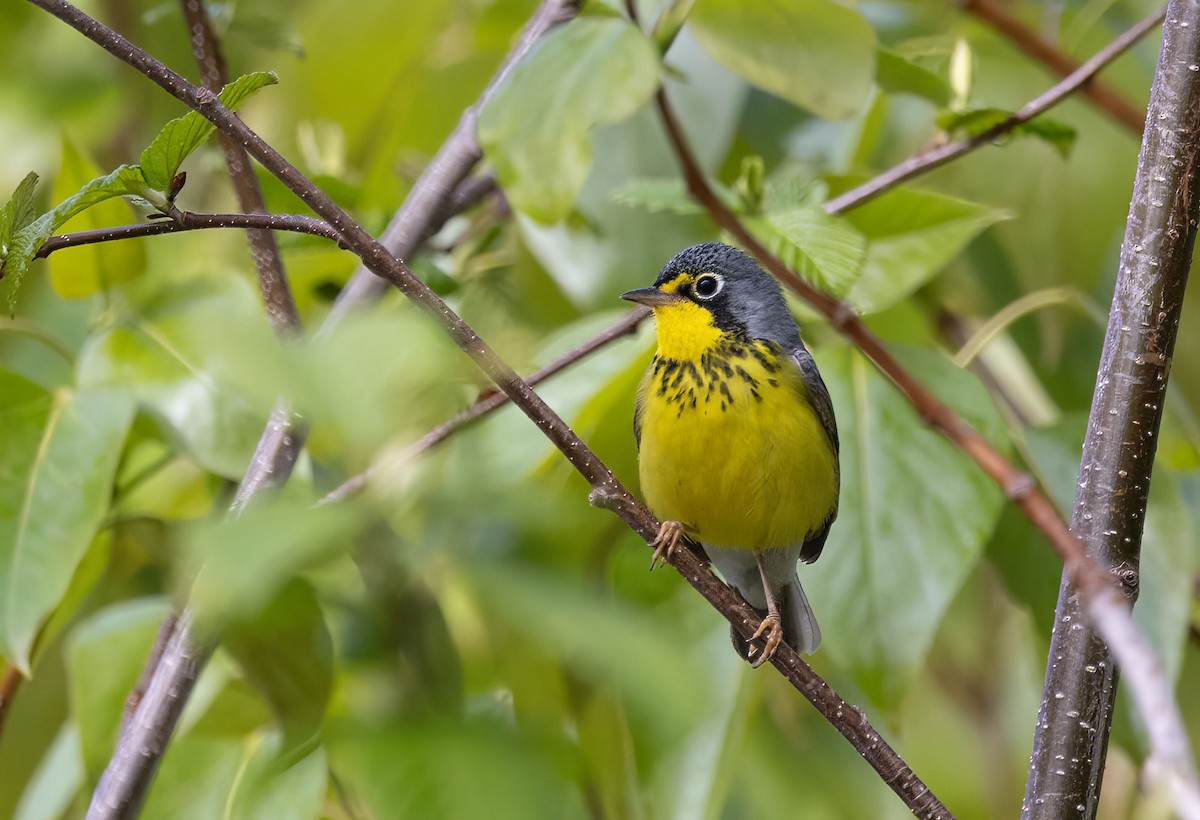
(818,394)
(818,397)
(639,410)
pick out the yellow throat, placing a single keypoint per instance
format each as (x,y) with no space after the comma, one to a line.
(730,445)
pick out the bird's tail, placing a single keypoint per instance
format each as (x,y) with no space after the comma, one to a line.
(799,623)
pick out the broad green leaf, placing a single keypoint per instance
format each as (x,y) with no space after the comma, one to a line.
(458,768)
(911,235)
(82,271)
(126,180)
(266,791)
(657,195)
(17,212)
(105,655)
(825,250)
(896,75)
(975,121)
(915,514)
(180,137)
(286,652)
(536,129)
(245,561)
(61,492)
(52,788)
(161,357)
(604,639)
(816,54)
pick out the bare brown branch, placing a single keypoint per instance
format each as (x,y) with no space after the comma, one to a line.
(1103,602)
(1082,77)
(187,221)
(125,782)
(1046,53)
(272,278)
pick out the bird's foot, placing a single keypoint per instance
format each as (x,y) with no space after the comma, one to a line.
(669,535)
(771,632)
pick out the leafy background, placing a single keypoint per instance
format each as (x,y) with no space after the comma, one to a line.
(471,639)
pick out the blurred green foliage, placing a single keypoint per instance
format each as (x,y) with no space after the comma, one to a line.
(469,638)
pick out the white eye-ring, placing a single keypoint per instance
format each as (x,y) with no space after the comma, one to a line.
(708,286)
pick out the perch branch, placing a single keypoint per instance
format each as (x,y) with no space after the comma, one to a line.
(115,797)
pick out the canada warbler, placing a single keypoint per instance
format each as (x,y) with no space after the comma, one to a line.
(737,444)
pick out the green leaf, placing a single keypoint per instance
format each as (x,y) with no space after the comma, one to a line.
(827,251)
(17,212)
(816,54)
(286,652)
(245,561)
(82,271)
(896,75)
(656,195)
(975,121)
(536,129)
(457,768)
(604,639)
(105,655)
(264,791)
(52,788)
(127,179)
(915,514)
(163,359)
(180,137)
(59,457)
(911,235)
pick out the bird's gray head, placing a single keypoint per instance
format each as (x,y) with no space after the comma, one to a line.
(741,297)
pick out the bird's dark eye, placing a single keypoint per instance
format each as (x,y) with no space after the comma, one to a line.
(708,286)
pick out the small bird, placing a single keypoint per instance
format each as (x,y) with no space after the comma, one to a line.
(737,443)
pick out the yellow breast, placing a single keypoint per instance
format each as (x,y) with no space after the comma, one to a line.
(731,447)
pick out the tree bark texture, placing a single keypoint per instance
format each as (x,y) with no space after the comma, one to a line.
(1071,736)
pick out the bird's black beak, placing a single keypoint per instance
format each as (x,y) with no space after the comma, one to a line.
(651,297)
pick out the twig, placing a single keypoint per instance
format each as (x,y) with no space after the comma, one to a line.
(434,198)
(125,782)
(165,630)
(189,221)
(1105,605)
(1071,737)
(1082,77)
(1045,52)
(910,168)
(488,404)
(272,278)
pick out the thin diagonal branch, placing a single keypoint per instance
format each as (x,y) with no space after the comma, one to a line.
(914,166)
(1082,77)
(1033,44)
(189,221)
(1103,603)
(488,404)
(124,784)
(272,278)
